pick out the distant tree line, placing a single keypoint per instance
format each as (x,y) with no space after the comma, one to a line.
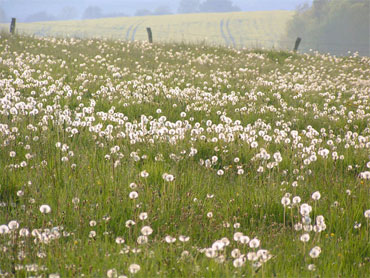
(93,12)
(335,26)
(207,6)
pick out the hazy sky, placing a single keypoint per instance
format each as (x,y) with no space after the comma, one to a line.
(23,8)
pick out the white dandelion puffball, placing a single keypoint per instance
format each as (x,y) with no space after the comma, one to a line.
(183,238)
(170,239)
(144,174)
(134,268)
(4,229)
(367,213)
(146,230)
(235,253)
(143,216)
(296,200)
(133,195)
(112,273)
(305,237)
(316,195)
(239,262)
(285,201)
(244,239)
(142,240)
(120,240)
(45,209)
(13,225)
(237,236)
(315,252)
(210,253)
(254,243)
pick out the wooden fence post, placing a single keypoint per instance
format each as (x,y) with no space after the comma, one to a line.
(297,42)
(150,35)
(12,26)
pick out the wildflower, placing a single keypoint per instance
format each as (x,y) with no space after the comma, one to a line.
(143,216)
(185,253)
(285,201)
(305,209)
(305,237)
(13,225)
(315,252)
(170,239)
(184,238)
(45,209)
(367,213)
(218,245)
(133,185)
(220,172)
(264,255)
(142,239)
(120,240)
(24,232)
(144,174)
(296,200)
(134,268)
(146,230)
(210,253)
(168,177)
(237,236)
(4,229)
(316,195)
(239,262)
(112,273)
(75,201)
(133,195)
(252,256)
(244,239)
(130,223)
(225,241)
(254,243)
(235,253)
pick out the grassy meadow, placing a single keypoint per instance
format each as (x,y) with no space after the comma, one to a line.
(129,159)
(236,29)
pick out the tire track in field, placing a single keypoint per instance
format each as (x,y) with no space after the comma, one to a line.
(128,31)
(223,33)
(229,33)
(134,31)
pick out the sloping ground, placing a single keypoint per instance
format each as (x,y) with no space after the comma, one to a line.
(135,160)
(251,29)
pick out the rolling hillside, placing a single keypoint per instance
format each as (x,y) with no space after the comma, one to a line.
(238,29)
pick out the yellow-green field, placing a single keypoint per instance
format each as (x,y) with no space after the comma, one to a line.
(237,29)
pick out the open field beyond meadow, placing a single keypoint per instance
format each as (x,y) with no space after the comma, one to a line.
(236,29)
(172,160)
